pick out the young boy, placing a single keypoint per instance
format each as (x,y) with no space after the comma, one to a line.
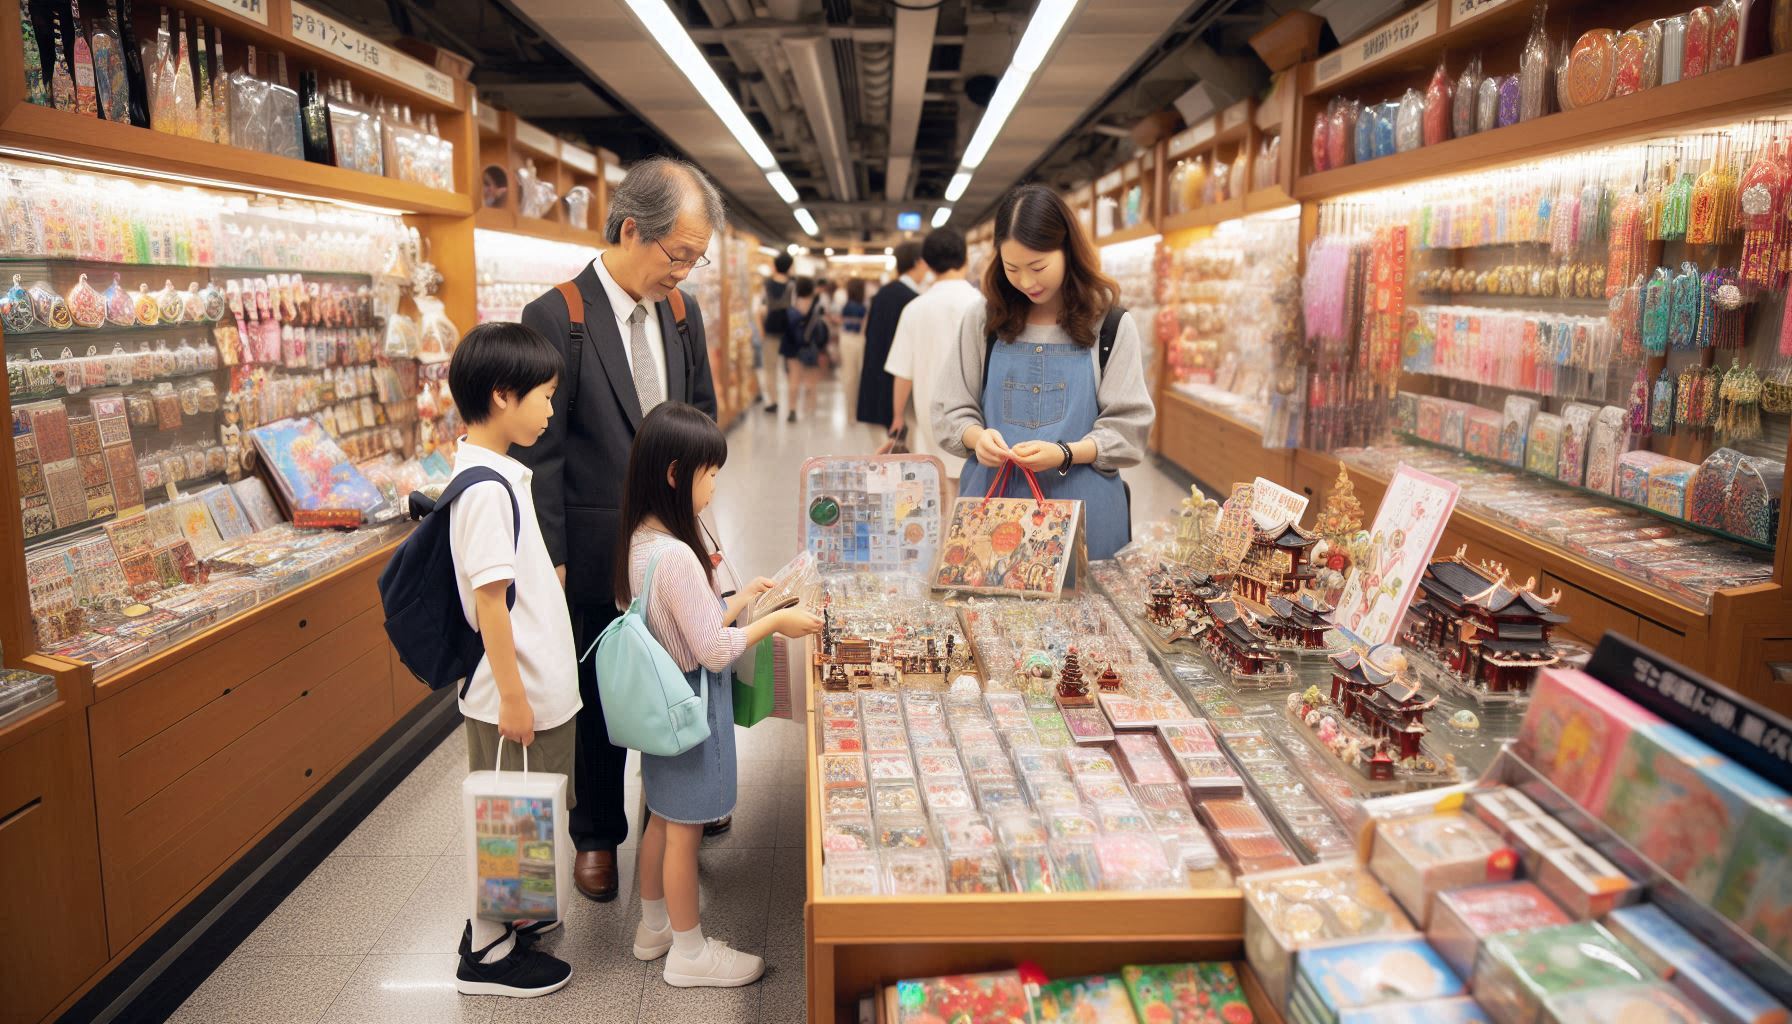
(525,690)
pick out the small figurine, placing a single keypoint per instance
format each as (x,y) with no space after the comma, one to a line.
(1109,680)
(1073,692)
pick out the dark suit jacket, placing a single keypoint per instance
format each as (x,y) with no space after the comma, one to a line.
(582,459)
(875,396)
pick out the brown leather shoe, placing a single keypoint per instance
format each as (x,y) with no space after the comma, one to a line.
(594,873)
(719,826)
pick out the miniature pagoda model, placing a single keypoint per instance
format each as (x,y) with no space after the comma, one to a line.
(1374,720)
(1234,644)
(1109,680)
(1275,564)
(1479,634)
(1073,692)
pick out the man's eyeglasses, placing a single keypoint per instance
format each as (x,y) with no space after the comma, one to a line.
(697,264)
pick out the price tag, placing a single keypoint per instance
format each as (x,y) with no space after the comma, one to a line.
(319,30)
(254,10)
(1468,10)
(1405,31)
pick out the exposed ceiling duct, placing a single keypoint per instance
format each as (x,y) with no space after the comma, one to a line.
(913,55)
(817,78)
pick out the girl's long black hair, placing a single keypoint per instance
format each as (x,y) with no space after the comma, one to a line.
(683,437)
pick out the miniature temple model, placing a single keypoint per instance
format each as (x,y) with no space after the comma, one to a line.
(1374,719)
(1477,632)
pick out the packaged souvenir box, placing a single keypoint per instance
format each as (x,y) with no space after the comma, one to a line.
(1543,448)
(1683,806)
(1756,891)
(999,997)
(1574,731)
(1515,429)
(1335,978)
(1605,443)
(1668,486)
(1096,999)
(1634,471)
(1517,972)
(1481,433)
(1624,1004)
(1286,911)
(1462,919)
(1203,993)
(1417,858)
(1677,957)
(1577,426)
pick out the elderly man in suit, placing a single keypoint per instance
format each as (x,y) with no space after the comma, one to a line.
(629,351)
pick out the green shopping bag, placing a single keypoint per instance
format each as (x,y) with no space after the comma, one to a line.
(755,683)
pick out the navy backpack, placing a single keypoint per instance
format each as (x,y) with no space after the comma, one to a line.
(418,589)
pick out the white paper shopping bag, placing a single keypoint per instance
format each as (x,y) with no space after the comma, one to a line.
(518,843)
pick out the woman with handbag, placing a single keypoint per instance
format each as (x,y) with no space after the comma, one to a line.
(805,338)
(672,470)
(1050,374)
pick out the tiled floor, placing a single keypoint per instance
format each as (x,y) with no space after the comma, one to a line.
(370,935)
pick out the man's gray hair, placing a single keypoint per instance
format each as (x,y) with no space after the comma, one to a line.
(654,192)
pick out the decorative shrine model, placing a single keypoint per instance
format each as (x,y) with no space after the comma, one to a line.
(1475,632)
(1073,690)
(914,656)
(1374,721)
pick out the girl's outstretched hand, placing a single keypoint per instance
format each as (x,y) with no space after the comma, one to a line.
(759,586)
(796,622)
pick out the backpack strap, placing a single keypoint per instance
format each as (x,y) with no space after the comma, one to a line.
(684,340)
(575,345)
(463,480)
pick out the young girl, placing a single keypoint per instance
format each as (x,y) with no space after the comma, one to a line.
(672,472)
(1043,397)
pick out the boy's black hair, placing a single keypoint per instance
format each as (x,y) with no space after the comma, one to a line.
(943,250)
(783,262)
(499,356)
(907,255)
(805,287)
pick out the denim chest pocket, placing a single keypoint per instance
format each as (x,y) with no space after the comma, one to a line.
(1033,405)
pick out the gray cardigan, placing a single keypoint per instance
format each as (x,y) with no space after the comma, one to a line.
(1121,427)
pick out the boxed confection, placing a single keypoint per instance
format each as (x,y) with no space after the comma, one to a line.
(1450,1010)
(1336,978)
(1714,984)
(998,996)
(1286,911)
(1096,999)
(1634,469)
(1668,486)
(1543,449)
(1685,807)
(1431,418)
(1537,837)
(1585,883)
(1518,972)
(1455,424)
(1655,1003)
(1417,858)
(1175,993)
(1756,891)
(1574,731)
(1577,428)
(1500,807)
(1606,442)
(1462,919)
(1481,433)
(1515,429)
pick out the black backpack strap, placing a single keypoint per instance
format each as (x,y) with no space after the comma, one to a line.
(989,355)
(684,341)
(1110,327)
(463,480)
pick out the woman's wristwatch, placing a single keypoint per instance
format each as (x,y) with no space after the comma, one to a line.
(1069,459)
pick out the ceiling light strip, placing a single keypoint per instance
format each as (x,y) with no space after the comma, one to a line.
(1043,29)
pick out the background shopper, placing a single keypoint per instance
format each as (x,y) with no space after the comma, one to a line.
(880,330)
(852,337)
(805,340)
(926,338)
(774,301)
(1041,396)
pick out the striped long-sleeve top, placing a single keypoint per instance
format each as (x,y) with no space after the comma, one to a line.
(685,610)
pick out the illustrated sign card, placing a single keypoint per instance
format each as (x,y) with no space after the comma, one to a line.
(1019,546)
(1273,503)
(1407,527)
(1233,537)
(875,513)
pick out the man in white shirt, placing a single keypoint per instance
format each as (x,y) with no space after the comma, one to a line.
(927,335)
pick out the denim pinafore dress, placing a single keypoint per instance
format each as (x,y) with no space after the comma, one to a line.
(1042,387)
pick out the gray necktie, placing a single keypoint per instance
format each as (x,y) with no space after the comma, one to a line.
(647,376)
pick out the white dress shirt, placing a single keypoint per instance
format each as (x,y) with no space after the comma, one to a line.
(927,338)
(624,307)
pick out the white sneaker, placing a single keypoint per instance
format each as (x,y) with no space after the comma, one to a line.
(720,966)
(650,944)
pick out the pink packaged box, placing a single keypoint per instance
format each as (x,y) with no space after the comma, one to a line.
(1461,918)
(1142,759)
(1431,418)
(1574,730)
(1577,426)
(1416,858)
(1481,433)
(1633,474)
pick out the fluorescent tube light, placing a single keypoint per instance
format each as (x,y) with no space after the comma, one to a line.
(960,182)
(1007,96)
(781,185)
(808,222)
(665,28)
(1042,31)
(941,216)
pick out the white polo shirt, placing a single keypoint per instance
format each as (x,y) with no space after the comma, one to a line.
(927,336)
(484,552)
(624,307)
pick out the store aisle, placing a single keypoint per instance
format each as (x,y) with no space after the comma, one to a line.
(370,935)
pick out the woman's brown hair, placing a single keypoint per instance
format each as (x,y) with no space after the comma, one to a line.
(1038,218)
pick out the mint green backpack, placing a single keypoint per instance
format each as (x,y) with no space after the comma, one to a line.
(648,703)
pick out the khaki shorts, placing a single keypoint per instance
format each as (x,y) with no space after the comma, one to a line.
(552,752)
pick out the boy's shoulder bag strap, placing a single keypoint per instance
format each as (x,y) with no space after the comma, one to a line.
(575,343)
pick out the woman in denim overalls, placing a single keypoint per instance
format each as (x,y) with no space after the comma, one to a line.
(1044,400)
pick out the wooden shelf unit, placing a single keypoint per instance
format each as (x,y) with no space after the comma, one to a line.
(1144,172)
(506,141)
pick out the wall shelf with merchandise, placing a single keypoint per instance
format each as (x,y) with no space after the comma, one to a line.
(534,184)
(260,103)
(1126,201)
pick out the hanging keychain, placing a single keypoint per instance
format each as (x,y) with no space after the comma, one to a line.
(1663,405)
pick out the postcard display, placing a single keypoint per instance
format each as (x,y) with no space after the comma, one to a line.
(1230,320)
(187,372)
(1595,347)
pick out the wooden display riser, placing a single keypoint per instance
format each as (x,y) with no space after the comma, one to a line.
(152,784)
(1734,642)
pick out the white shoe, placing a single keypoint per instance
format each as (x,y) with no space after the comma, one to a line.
(720,966)
(651,944)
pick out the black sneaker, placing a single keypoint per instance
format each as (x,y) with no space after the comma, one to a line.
(772,408)
(525,973)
